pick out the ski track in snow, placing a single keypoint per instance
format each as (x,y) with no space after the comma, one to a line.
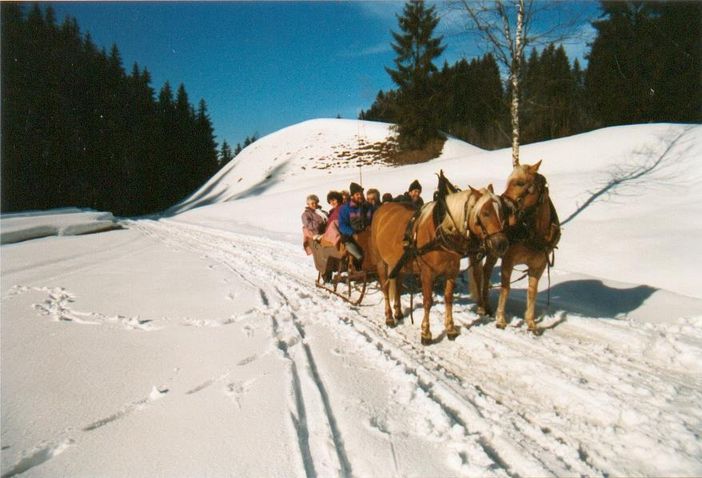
(588,398)
(590,377)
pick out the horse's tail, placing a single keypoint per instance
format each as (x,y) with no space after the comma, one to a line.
(392,289)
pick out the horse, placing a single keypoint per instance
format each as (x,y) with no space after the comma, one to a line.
(533,232)
(430,242)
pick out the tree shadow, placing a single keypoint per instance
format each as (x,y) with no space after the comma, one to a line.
(262,186)
(204,198)
(651,162)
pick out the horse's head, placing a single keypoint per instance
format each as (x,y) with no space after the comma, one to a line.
(486,220)
(524,186)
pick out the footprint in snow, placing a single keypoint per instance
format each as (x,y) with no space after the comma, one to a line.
(247,360)
(58,307)
(37,457)
(157,393)
(235,390)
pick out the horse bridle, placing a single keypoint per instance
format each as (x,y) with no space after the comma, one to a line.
(513,206)
(484,236)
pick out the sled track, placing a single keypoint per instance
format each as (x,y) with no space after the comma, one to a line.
(524,427)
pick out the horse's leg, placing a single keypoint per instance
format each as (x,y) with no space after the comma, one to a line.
(506,276)
(385,285)
(449,327)
(397,306)
(427,286)
(490,261)
(393,301)
(473,284)
(530,315)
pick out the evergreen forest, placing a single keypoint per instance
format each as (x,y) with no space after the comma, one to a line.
(77,130)
(644,65)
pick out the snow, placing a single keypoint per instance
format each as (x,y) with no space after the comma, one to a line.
(196,344)
(18,227)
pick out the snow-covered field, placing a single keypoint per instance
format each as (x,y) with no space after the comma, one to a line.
(197,345)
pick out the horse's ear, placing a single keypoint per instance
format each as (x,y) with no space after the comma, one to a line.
(490,188)
(535,167)
(475,191)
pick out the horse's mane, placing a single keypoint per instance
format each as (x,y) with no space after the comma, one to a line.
(426,211)
(456,211)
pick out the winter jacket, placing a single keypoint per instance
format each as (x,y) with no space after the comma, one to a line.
(354,218)
(334,214)
(407,199)
(314,220)
(331,236)
(313,223)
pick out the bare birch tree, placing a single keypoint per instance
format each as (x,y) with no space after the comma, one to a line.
(506,27)
(503,28)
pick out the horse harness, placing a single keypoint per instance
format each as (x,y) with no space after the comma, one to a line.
(523,231)
(456,243)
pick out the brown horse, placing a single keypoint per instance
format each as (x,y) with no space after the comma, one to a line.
(534,232)
(430,243)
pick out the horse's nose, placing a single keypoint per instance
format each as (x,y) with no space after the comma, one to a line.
(499,244)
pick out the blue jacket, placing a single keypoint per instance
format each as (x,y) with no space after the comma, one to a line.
(354,218)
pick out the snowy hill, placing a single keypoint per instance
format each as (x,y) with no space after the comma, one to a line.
(196,344)
(310,151)
(621,192)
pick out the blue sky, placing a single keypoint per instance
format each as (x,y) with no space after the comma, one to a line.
(261,66)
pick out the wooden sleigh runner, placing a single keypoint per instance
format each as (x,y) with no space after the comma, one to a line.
(337,271)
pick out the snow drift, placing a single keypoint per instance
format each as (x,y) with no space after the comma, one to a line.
(23,226)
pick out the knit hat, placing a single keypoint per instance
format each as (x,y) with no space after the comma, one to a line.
(355,188)
(415,185)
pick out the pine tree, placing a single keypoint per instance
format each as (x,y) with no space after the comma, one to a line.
(206,150)
(646,63)
(416,49)
(225,154)
(678,82)
(619,74)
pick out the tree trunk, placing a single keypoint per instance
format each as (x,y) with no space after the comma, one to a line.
(514,74)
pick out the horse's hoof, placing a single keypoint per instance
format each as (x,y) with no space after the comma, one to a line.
(536,331)
(426,341)
(484,311)
(391,323)
(452,335)
(500,325)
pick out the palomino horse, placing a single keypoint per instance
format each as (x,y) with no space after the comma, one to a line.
(430,243)
(533,232)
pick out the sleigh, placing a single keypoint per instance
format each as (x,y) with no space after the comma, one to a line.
(339,273)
